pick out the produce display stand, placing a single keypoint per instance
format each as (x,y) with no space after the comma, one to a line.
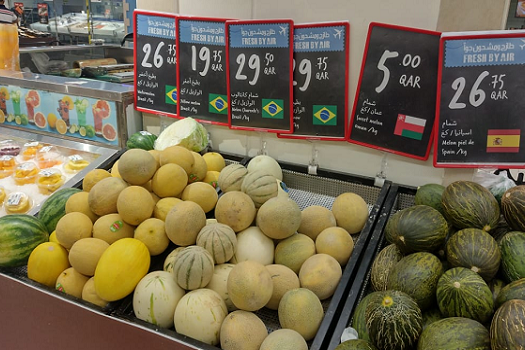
(398,198)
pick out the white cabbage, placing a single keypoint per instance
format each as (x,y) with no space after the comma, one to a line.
(185,132)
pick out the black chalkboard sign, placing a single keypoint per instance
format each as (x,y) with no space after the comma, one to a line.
(201,60)
(481,100)
(155,63)
(395,105)
(260,75)
(320,94)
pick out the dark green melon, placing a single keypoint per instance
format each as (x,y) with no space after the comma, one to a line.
(358,320)
(474,249)
(513,290)
(430,316)
(383,263)
(513,207)
(419,228)
(54,208)
(430,194)
(463,293)
(496,285)
(512,247)
(355,344)
(393,320)
(501,229)
(417,275)
(454,333)
(469,205)
(507,330)
(141,139)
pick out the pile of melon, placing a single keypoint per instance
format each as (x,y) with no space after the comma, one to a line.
(223,257)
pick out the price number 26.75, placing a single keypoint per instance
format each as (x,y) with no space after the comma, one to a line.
(158,60)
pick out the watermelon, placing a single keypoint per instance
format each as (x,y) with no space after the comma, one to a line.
(417,228)
(513,290)
(355,344)
(463,293)
(55,207)
(454,333)
(383,263)
(393,320)
(512,247)
(430,316)
(358,320)
(430,194)
(474,249)
(469,205)
(20,234)
(507,329)
(141,139)
(417,275)
(513,207)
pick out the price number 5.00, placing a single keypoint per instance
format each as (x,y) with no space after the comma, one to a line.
(409,61)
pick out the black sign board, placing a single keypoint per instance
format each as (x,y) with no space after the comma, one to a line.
(201,58)
(260,75)
(395,105)
(320,94)
(155,63)
(481,100)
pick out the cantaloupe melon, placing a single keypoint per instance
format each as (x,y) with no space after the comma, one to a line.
(284,339)
(315,219)
(219,283)
(254,245)
(177,155)
(279,217)
(152,233)
(266,163)
(294,250)
(199,168)
(193,268)
(260,186)
(184,222)
(231,177)
(85,254)
(242,330)
(201,193)
(104,195)
(136,166)
(89,294)
(169,261)
(111,228)
(250,285)
(283,279)
(219,240)
(163,206)
(71,282)
(336,242)
(235,209)
(169,180)
(79,202)
(72,227)
(301,310)
(92,177)
(135,204)
(321,274)
(350,212)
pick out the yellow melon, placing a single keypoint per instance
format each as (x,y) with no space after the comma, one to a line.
(156,155)
(169,180)
(79,202)
(283,279)
(72,227)
(314,219)
(235,209)
(136,166)
(152,233)
(183,223)
(111,228)
(284,339)
(177,155)
(201,193)
(89,294)
(219,283)
(92,177)
(53,237)
(336,242)
(46,262)
(103,196)
(148,187)
(294,250)
(242,330)
(279,217)
(135,204)
(120,268)
(250,285)
(199,168)
(215,161)
(211,178)
(71,282)
(163,206)
(301,310)
(321,274)
(350,211)
(85,254)
(114,170)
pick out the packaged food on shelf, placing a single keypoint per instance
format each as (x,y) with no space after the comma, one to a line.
(7,166)
(25,173)
(50,180)
(30,149)
(18,203)
(2,195)
(9,148)
(75,163)
(48,157)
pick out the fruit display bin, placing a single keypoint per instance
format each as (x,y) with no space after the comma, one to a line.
(398,198)
(306,190)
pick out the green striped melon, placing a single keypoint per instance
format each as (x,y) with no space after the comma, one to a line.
(496,285)
(513,207)
(512,247)
(54,207)
(463,293)
(417,228)
(359,319)
(19,235)
(507,329)
(454,333)
(513,290)
(193,268)
(383,263)
(430,194)
(231,177)
(467,204)
(474,249)
(393,320)
(430,316)
(260,186)
(219,240)
(417,275)
(355,344)
(141,139)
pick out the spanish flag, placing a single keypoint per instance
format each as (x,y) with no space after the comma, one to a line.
(503,141)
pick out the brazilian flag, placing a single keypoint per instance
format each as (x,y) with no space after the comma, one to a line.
(218,104)
(272,109)
(171,95)
(325,115)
